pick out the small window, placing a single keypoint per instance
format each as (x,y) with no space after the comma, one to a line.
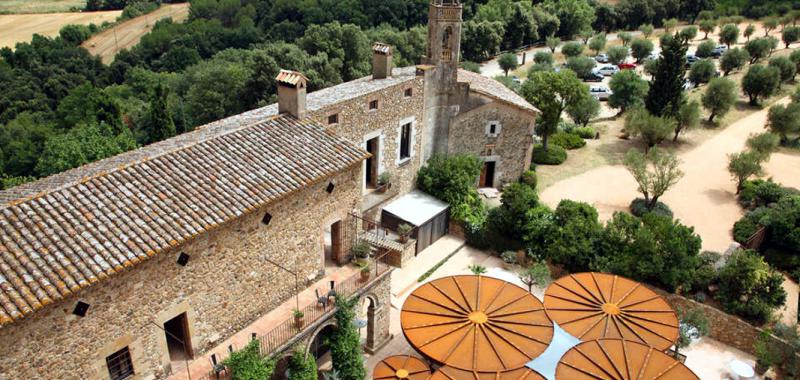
(493,129)
(373,104)
(120,365)
(405,141)
(333,119)
(409,92)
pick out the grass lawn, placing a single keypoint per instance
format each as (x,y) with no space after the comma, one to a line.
(40,6)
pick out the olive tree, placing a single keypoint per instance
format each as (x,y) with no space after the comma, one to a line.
(655,172)
(625,37)
(598,43)
(572,49)
(582,66)
(689,33)
(707,26)
(537,273)
(669,24)
(760,82)
(769,25)
(790,35)
(758,49)
(508,62)
(705,49)
(618,54)
(543,57)
(688,118)
(784,121)
(647,30)
(702,71)
(641,49)
(729,34)
(785,66)
(733,59)
(719,97)
(628,90)
(652,129)
(744,165)
(584,110)
(552,43)
(748,31)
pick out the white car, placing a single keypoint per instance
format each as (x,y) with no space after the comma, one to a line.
(602,58)
(600,92)
(608,70)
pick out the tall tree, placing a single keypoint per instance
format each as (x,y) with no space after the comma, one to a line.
(346,352)
(552,92)
(654,172)
(760,82)
(688,118)
(652,129)
(719,97)
(666,88)
(628,89)
(158,124)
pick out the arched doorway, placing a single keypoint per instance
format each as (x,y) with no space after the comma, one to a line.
(320,347)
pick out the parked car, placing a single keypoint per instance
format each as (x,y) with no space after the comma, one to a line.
(594,77)
(608,70)
(687,84)
(626,66)
(601,58)
(600,92)
(516,79)
(719,51)
(654,56)
(691,59)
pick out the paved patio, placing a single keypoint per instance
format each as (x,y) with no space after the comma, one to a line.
(201,365)
(707,358)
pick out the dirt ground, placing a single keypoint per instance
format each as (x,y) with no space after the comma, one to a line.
(107,43)
(21,27)
(39,6)
(704,197)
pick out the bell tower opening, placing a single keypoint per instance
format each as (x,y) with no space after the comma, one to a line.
(444,33)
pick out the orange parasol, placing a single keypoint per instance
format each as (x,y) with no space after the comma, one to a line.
(401,367)
(450,373)
(617,359)
(596,305)
(476,323)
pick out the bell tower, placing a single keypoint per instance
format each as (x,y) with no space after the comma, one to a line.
(441,73)
(444,37)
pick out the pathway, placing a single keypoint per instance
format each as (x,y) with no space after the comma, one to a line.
(107,43)
(705,197)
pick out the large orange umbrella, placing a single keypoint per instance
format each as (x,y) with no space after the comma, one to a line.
(617,359)
(596,305)
(401,367)
(476,323)
(450,373)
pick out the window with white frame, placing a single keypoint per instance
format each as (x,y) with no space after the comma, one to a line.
(493,128)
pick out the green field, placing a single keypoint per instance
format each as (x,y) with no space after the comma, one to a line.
(39,6)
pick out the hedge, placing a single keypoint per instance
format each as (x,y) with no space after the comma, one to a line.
(586,132)
(639,208)
(567,140)
(555,155)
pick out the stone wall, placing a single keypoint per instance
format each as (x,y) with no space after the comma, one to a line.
(225,286)
(511,149)
(358,124)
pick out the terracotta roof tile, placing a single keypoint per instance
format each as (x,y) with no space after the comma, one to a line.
(495,90)
(72,234)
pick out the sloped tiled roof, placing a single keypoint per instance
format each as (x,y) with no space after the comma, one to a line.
(79,230)
(495,90)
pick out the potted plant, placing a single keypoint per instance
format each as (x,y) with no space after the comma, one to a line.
(298,318)
(365,271)
(404,230)
(693,325)
(384,182)
(361,251)
(509,259)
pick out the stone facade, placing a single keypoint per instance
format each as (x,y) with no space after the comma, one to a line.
(225,285)
(357,123)
(510,147)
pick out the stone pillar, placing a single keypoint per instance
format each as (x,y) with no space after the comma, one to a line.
(378,316)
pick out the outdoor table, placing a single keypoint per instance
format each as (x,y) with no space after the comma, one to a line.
(741,370)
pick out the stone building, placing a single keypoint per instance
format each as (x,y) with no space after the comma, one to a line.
(114,269)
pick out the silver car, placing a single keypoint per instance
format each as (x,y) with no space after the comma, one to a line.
(601,58)
(600,92)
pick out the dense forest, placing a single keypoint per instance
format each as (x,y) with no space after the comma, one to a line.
(62,108)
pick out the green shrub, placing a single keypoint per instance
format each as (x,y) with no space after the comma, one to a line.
(451,178)
(639,208)
(529,178)
(555,155)
(586,132)
(248,364)
(749,287)
(567,140)
(302,365)
(744,229)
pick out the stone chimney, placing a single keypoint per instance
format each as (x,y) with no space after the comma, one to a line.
(381,61)
(292,93)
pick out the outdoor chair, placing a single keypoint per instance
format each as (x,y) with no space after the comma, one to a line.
(320,299)
(218,368)
(332,292)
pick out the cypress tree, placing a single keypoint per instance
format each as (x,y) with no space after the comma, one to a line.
(345,342)
(666,88)
(159,124)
